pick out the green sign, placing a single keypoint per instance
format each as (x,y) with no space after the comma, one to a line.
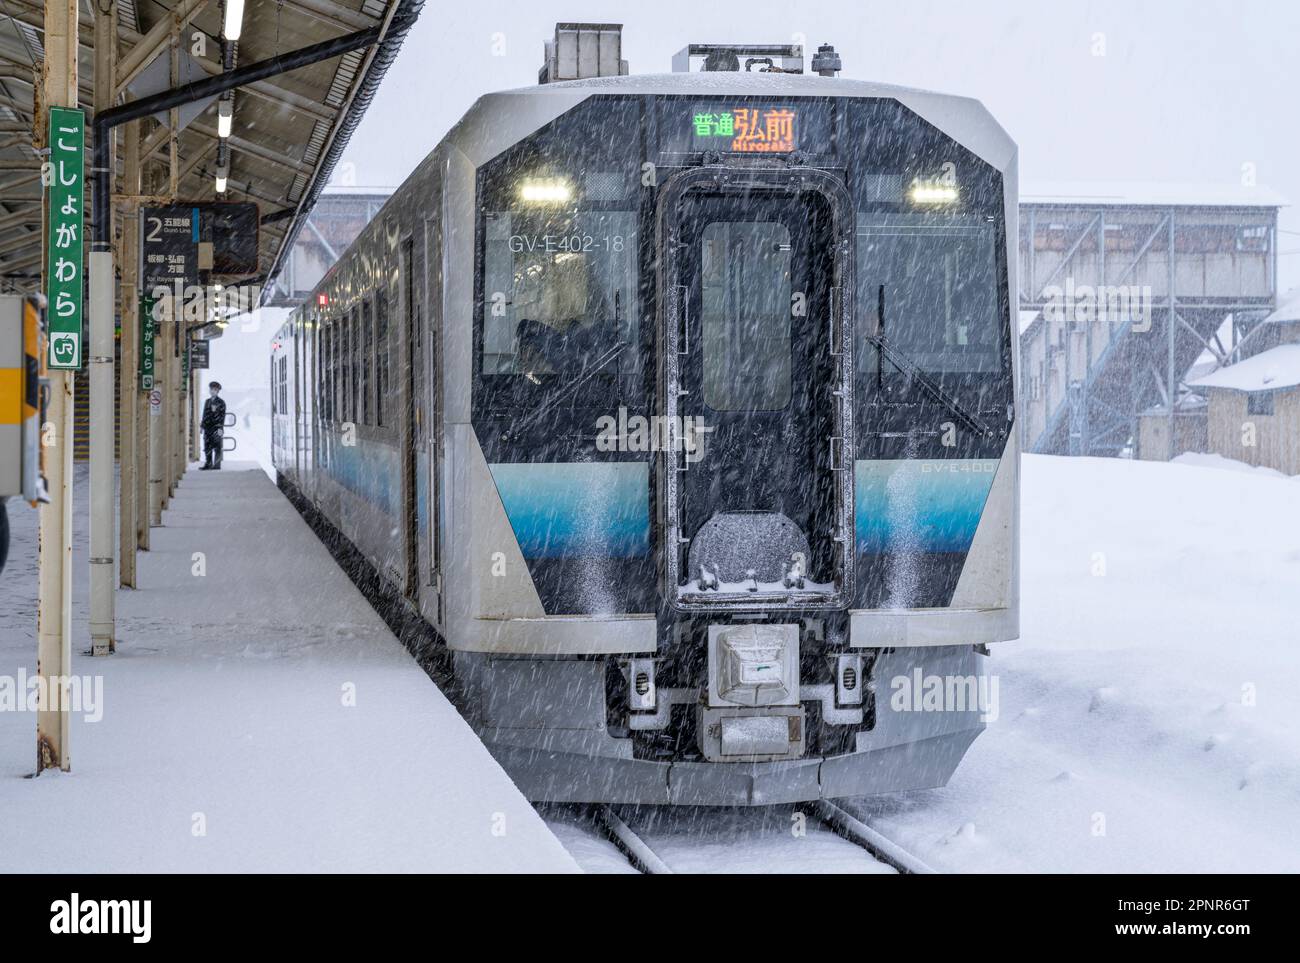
(714,125)
(148,326)
(65,285)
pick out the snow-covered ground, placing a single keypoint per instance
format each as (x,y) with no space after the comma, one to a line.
(1149,717)
(258,716)
(1150,712)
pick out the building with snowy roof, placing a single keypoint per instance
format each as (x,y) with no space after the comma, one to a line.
(1253,406)
(338,217)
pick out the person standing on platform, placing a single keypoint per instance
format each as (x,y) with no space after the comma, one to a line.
(214,420)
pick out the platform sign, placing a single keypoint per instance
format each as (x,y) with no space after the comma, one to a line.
(231,227)
(148,328)
(65,283)
(199,355)
(169,247)
(182,242)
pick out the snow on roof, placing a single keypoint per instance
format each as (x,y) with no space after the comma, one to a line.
(1027,318)
(1155,193)
(354,190)
(1276,368)
(1288,307)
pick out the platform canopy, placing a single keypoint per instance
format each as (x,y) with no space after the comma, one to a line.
(287,133)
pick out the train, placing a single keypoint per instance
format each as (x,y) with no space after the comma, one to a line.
(679,409)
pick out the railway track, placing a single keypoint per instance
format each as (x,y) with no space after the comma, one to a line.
(815,837)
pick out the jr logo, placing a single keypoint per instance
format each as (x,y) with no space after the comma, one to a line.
(65,348)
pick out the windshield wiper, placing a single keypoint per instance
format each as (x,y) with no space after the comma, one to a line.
(913,371)
(568,389)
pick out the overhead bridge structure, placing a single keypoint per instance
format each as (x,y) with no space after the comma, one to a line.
(1121,291)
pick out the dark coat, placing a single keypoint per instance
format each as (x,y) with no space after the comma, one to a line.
(214,416)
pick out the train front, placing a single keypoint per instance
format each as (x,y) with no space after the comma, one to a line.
(739,467)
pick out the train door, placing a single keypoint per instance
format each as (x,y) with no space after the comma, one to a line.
(756,384)
(407,433)
(433,383)
(298,347)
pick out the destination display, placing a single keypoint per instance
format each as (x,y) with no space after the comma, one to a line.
(745,130)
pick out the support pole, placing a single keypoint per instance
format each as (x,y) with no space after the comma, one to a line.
(169,395)
(1171,375)
(165,417)
(54,605)
(196,412)
(158,424)
(102,342)
(102,640)
(177,408)
(144,434)
(128,407)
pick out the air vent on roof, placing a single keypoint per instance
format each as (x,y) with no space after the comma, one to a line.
(582,50)
(782,58)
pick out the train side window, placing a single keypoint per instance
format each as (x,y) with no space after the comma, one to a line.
(354,357)
(336,352)
(323,387)
(331,373)
(345,386)
(341,400)
(318,366)
(382,360)
(367,361)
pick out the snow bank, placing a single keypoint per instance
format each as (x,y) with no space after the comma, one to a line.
(1205,460)
(1150,716)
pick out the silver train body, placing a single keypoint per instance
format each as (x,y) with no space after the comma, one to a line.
(681,408)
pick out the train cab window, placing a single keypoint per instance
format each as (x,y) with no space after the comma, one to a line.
(745,316)
(559,293)
(929,284)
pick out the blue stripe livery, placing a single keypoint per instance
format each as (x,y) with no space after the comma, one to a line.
(577,509)
(906,506)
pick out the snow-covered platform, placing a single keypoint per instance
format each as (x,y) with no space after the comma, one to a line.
(257,716)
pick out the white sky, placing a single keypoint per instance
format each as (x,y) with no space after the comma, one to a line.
(1186,91)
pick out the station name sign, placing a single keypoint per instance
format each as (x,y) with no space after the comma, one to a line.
(65,277)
